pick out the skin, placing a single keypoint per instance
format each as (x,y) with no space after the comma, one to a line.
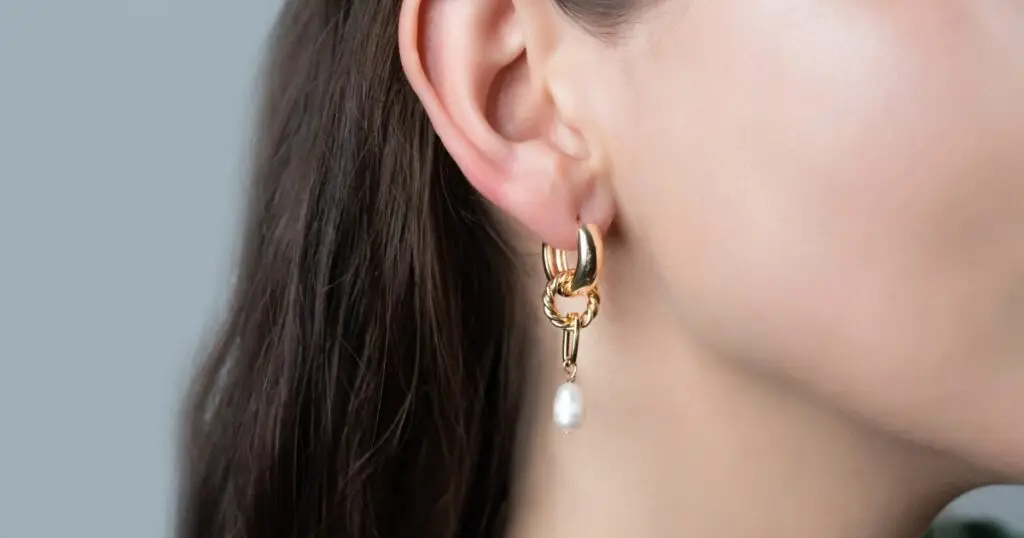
(813,296)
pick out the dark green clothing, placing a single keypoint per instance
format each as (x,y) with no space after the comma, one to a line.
(957,528)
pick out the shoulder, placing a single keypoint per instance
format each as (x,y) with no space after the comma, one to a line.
(967,528)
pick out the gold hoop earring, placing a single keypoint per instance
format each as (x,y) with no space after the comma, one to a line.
(578,281)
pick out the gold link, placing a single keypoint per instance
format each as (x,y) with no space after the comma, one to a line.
(570,372)
(571,341)
(563,321)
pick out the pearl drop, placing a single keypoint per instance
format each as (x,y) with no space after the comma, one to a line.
(568,407)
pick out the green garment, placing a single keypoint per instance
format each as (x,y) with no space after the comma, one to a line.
(966,528)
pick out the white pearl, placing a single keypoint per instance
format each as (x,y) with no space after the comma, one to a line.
(568,408)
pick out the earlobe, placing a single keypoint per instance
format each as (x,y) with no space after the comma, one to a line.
(467,58)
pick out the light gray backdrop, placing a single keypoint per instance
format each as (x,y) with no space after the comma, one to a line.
(123,128)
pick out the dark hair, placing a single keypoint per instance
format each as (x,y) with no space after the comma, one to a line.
(366,381)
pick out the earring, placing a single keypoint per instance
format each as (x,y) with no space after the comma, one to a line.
(579,281)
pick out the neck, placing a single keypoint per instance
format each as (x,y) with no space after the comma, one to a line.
(677,442)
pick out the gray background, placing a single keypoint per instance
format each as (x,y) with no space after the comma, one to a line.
(123,129)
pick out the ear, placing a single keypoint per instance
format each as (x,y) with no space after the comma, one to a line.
(481,81)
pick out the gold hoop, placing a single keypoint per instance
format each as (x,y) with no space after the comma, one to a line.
(589,260)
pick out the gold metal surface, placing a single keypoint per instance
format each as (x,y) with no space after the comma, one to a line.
(571,347)
(578,281)
(563,321)
(589,260)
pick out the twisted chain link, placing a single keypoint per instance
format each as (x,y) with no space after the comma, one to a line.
(558,286)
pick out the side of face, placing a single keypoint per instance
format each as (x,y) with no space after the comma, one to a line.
(831,192)
(834,192)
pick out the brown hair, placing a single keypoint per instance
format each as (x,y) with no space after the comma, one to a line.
(366,380)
